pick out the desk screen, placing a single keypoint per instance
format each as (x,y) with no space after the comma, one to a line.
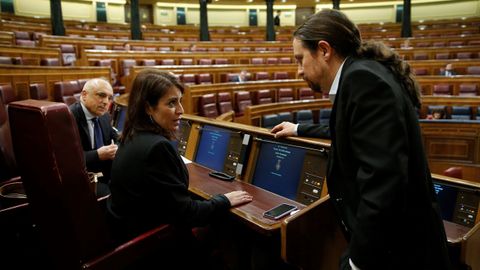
(278,169)
(213,147)
(447,198)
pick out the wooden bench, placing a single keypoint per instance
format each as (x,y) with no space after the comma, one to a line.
(29,55)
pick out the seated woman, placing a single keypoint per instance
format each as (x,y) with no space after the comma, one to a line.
(149,182)
(437,114)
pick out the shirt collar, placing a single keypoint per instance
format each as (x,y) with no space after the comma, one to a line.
(87,113)
(336,81)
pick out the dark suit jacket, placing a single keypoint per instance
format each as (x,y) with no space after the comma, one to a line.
(378,176)
(149,187)
(93,163)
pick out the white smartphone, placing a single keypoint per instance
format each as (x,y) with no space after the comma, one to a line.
(279,211)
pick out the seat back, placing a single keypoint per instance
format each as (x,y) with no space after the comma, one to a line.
(188,79)
(186,61)
(167,62)
(304,117)
(205,61)
(473,70)
(38,91)
(221,61)
(324,116)
(285,94)
(263,96)
(442,89)
(285,60)
(148,62)
(272,60)
(68,54)
(50,157)
(420,71)
(461,112)
(207,106)
(257,61)
(455,172)
(305,93)
(50,62)
(262,75)
(285,117)
(270,120)
(126,64)
(224,102)
(204,78)
(280,75)
(468,89)
(66,92)
(8,167)
(242,100)
(7,94)
(6,60)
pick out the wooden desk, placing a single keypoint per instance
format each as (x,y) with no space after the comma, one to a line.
(205,186)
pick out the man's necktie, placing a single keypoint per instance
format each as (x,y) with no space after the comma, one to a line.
(97,133)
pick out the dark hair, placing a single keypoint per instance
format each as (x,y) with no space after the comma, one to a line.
(148,87)
(344,37)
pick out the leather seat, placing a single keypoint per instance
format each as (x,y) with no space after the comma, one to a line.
(304,117)
(224,102)
(442,89)
(461,113)
(68,54)
(65,92)
(455,172)
(285,94)
(204,78)
(71,224)
(38,91)
(263,96)
(468,89)
(305,93)
(50,62)
(207,106)
(242,100)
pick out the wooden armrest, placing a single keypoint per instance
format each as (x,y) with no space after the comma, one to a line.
(227,116)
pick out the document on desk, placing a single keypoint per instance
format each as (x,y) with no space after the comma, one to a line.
(186,160)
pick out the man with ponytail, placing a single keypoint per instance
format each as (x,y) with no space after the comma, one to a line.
(378,176)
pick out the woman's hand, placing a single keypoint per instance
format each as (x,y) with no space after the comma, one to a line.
(238,197)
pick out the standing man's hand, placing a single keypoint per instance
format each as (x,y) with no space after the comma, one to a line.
(285,129)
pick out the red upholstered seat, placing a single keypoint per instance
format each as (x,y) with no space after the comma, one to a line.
(455,172)
(285,94)
(207,106)
(70,223)
(38,91)
(262,75)
(242,100)
(468,89)
(280,75)
(188,79)
(65,92)
(305,93)
(442,89)
(167,62)
(204,78)
(147,62)
(263,97)
(473,70)
(7,93)
(50,62)
(224,102)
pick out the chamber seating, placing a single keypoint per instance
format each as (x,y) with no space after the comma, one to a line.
(70,222)
(455,172)
(205,61)
(305,93)
(67,92)
(221,61)
(263,96)
(186,61)
(148,62)
(473,70)
(281,75)
(461,113)
(7,94)
(440,56)
(285,94)
(262,75)
(257,61)
(8,167)
(420,71)
(285,117)
(188,79)
(272,61)
(324,116)
(242,100)
(167,62)
(442,89)
(304,117)
(270,120)
(207,106)
(224,102)
(38,91)
(468,89)
(285,60)
(5,60)
(68,54)
(204,78)
(125,65)
(50,62)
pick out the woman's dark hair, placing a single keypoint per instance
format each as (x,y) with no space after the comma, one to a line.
(344,37)
(149,86)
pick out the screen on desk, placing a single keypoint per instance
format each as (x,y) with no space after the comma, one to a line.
(279,168)
(213,147)
(447,198)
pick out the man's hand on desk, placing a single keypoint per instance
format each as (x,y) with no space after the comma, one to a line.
(238,197)
(285,129)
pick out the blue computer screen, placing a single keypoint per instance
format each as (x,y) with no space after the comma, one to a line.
(213,147)
(447,198)
(279,168)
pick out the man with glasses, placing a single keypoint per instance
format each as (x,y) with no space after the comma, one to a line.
(94,125)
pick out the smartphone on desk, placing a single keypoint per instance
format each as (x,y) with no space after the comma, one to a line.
(279,211)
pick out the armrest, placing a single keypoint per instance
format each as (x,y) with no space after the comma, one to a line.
(313,228)
(130,251)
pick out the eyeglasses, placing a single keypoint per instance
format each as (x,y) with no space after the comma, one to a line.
(102,95)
